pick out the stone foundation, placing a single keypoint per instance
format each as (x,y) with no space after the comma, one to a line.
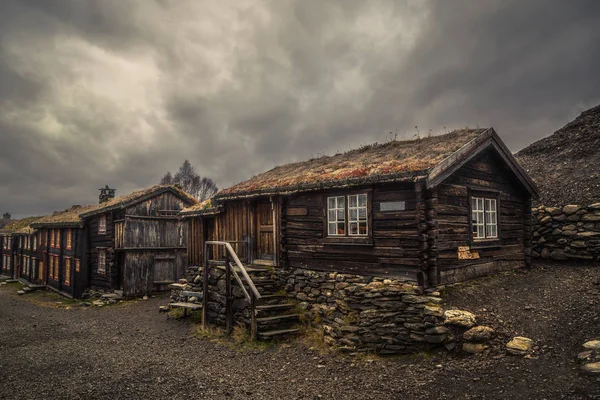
(369,314)
(568,233)
(192,284)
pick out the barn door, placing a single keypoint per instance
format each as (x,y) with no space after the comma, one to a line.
(264,231)
(164,270)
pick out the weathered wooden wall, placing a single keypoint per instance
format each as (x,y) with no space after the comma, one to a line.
(395,244)
(147,271)
(107,241)
(166,201)
(152,232)
(485,172)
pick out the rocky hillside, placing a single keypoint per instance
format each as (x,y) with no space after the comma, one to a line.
(566,165)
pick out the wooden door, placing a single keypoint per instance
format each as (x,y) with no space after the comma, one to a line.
(264,231)
(164,270)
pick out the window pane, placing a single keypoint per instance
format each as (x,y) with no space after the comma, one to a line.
(363,228)
(341,229)
(340,215)
(331,215)
(353,215)
(331,202)
(331,229)
(362,200)
(362,213)
(353,228)
(353,201)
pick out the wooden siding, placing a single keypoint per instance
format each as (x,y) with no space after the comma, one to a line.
(484,173)
(146,232)
(152,207)
(110,279)
(149,271)
(394,248)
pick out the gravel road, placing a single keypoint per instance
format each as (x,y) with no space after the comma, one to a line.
(130,351)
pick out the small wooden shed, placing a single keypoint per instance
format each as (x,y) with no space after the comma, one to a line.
(434,210)
(136,242)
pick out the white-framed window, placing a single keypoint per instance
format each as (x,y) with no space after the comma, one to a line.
(354,209)
(102,261)
(484,217)
(357,215)
(102,225)
(35,242)
(336,216)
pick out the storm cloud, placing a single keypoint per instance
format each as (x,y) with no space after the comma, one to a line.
(119,92)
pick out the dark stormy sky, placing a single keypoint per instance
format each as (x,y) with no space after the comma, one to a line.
(118,92)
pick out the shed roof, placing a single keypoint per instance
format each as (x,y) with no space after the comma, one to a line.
(397,160)
(138,196)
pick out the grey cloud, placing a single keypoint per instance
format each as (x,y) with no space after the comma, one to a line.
(119,92)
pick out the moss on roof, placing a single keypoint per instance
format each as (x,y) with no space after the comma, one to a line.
(205,207)
(395,160)
(20,226)
(71,216)
(125,200)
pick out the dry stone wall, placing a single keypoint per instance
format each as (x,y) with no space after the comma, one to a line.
(369,314)
(568,233)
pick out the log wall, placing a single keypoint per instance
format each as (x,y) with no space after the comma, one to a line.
(484,173)
(394,248)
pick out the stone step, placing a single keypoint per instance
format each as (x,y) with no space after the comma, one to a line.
(177,286)
(271,334)
(186,293)
(277,318)
(272,307)
(189,306)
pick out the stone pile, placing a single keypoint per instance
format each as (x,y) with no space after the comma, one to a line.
(366,314)
(590,357)
(570,232)
(101,298)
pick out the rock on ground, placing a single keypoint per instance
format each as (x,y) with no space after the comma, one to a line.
(519,346)
(462,318)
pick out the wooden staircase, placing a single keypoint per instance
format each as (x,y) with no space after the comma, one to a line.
(275,315)
(271,313)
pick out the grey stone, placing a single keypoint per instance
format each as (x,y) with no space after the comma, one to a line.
(592,368)
(473,348)
(434,338)
(558,255)
(571,209)
(479,334)
(519,345)
(592,345)
(438,330)
(462,318)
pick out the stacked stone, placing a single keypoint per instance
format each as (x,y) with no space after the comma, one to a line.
(570,232)
(590,357)
(366,314)
(183,291)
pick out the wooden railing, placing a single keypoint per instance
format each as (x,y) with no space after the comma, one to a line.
(252,295)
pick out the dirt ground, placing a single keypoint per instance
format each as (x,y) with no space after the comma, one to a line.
(130,351)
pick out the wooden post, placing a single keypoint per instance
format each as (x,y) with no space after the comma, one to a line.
(205,286)
(228,295)
(253,327)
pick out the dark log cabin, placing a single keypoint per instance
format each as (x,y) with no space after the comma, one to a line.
(62,251)
(434,210)
(19,250)
(136,242)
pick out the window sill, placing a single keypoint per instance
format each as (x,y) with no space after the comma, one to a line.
(485,244)
(348,241)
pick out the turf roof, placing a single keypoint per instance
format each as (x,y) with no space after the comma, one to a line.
(393,161)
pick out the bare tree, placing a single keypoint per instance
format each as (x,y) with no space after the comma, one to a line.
(187,179)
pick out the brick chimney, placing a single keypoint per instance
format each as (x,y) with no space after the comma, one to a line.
(106,194)
(6,216)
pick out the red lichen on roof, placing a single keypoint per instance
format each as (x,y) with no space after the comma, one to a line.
(374,162)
